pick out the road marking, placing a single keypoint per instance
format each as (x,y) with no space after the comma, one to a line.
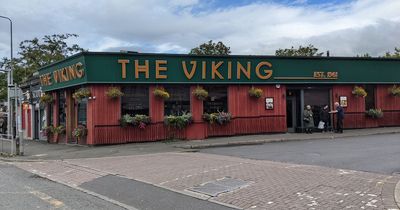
(47,198)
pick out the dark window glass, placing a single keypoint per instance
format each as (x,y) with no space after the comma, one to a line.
(370,98)
(135,100)
(217,100)
(61,108)
(50,113)
(82,108)
(179,100)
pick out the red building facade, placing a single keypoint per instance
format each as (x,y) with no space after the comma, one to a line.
(288,90)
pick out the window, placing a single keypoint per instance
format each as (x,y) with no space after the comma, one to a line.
(217,100)
(135,100)
(82,112)
(370,98)
(179,100)
(61,108)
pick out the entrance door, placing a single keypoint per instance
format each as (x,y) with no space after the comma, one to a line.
(291,113)
(36,124)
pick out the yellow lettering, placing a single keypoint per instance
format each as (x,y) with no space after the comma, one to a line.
(203,70)
(80,72)
(141,68)
(190,74)
(229,69)
(160,68)
(123,63)
(214,70)
(268,72)
(71,72)
(64,76)
(56,76)
(241,69)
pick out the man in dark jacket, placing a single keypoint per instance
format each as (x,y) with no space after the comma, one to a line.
(339,117)
(324,117)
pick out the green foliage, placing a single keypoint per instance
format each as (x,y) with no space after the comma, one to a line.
(310,50)
(394,91)
(200,93)
(161,93)
(48,130)
(221,118)
(79,131)
(359,91)
(59,129)
(34,54)
(255,92)
(374,113)
(114,92)
(81,94)
(211,48)
(365,55)
(139,120)
(395,54)
(178,122)
(46,99)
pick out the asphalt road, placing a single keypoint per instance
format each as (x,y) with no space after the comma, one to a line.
(376,153)
(22,190)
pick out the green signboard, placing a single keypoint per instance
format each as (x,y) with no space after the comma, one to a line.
(90,67)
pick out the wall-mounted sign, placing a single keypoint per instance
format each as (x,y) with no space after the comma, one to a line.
(343,101)
(141,68)
(269,103)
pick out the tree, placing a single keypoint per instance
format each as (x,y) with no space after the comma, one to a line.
(365,55)
(310,50)
(35,54)
(211,48)
(396,54)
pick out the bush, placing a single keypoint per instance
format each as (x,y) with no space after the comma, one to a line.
(81,94)
(375,113)
(59,129)
(46,99)
(394,91)
(359,91)
(178,122)
(221,118)
(79,131)
(255,92)
(139,120)
(114,92)
(48,130)
(161,92)
(200,93)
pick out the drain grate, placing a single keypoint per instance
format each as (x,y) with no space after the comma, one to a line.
(214,188)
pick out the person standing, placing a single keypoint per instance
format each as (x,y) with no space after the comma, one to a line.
(324,117)
(308,119)
(339,117)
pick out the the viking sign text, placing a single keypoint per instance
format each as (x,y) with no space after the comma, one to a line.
(65,74)
(214,70)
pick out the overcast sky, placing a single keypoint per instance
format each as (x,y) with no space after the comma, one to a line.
(344,27)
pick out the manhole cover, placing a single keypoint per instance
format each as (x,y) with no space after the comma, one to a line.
(216,187)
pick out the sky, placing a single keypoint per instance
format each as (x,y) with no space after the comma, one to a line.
(249,27)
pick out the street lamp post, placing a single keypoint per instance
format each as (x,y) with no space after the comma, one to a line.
(9,82)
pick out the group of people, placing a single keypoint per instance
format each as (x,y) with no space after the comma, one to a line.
(324,115)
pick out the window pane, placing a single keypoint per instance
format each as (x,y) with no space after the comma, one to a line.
(82,112)
(61,108)
(370,99)
(179,100)
(217,100)
(135,100)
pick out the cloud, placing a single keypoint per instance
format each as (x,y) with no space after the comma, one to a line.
(176,26)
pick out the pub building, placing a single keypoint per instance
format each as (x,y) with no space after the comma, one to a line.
(139,97)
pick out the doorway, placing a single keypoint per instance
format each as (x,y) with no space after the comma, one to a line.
(291,113)
(36,124)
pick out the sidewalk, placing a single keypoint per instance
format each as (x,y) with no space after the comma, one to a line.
(261,139)
(37,150)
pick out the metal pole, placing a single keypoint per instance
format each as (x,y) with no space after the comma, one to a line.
(9,81)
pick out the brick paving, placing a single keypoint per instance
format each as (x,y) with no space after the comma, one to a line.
(272,185)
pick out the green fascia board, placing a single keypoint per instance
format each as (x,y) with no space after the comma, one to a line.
(104,68)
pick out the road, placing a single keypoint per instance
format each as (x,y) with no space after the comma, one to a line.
(376,153)
(22,190)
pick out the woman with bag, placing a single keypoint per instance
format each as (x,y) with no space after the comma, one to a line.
(308,119)
(324,119)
